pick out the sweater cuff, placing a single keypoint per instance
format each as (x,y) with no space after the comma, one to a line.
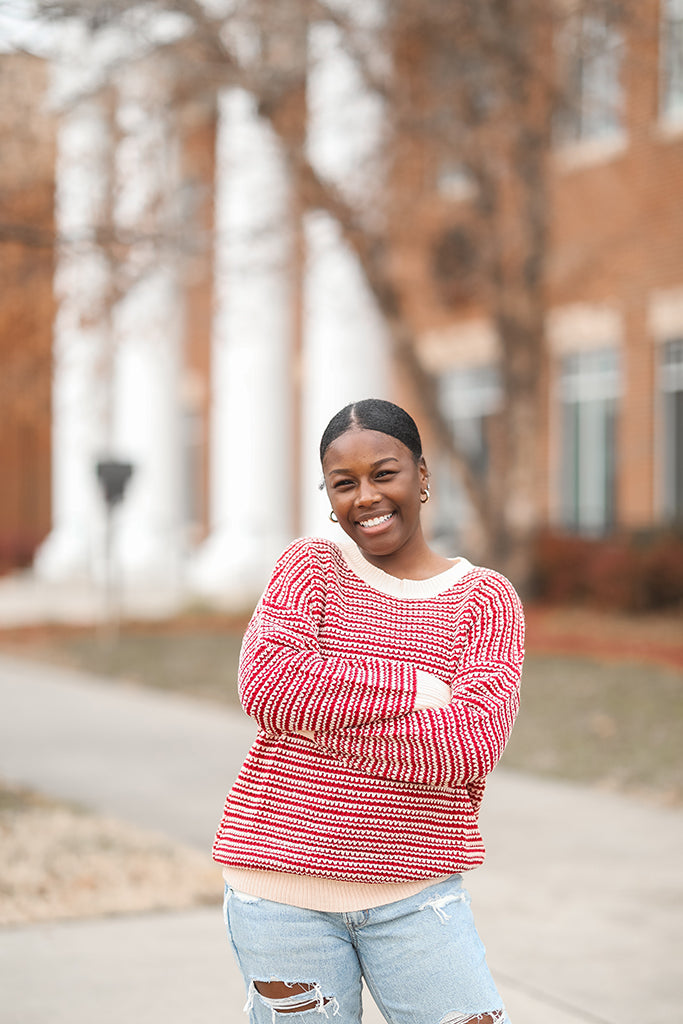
(431,692)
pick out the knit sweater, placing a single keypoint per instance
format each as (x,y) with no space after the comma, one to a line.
(346,780)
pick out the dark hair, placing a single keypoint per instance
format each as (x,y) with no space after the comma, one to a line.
(374,414)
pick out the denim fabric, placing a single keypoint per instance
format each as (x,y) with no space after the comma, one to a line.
(421,959)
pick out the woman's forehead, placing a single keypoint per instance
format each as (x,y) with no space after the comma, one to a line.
(361,444)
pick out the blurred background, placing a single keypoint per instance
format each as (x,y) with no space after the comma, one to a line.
(220,222)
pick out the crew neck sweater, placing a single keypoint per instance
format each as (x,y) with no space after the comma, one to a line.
(354,793)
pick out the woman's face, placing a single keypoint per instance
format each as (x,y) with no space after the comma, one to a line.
(374,484)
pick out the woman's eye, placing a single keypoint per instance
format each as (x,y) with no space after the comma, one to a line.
(342,483)
(385,472)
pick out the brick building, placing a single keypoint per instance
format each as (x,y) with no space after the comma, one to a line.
(27,182)
(613,435)
(269,321)
(617,320)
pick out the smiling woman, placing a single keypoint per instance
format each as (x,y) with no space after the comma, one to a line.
(376,487)
(384,680)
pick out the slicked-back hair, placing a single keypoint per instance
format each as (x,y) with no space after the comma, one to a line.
(374,414)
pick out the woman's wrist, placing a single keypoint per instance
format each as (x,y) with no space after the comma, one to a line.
(431,692)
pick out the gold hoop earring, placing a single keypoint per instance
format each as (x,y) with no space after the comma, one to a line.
(424,500)
(333,517)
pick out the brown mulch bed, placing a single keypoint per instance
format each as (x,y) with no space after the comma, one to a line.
(588,632)
(553,629)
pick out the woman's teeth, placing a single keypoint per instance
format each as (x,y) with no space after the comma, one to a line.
(366,523)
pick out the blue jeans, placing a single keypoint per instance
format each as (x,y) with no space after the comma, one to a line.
(421,959)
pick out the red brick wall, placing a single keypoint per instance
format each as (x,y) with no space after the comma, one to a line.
(26,310)
(198,135)
(616,236)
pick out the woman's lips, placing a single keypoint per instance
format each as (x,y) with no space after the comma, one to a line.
(376,522)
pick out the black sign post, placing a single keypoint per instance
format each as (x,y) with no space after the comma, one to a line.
(114,477)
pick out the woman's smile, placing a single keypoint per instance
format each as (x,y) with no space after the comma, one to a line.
(376,522)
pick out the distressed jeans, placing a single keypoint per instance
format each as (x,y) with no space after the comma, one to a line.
(421,958)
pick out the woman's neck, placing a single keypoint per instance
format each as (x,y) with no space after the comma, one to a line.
(413,561)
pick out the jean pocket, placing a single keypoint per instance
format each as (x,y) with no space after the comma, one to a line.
(241,897)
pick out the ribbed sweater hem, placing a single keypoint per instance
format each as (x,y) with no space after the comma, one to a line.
(328,894)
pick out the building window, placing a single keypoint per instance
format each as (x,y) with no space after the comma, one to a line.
(671,391)
(470,398)
(453,181)
(593,106)
(589,393)
(672,60)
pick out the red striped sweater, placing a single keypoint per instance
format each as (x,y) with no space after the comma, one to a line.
(380,792)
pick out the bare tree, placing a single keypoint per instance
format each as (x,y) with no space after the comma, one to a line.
(472,83)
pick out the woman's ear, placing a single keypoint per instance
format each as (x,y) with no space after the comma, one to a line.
(423,471)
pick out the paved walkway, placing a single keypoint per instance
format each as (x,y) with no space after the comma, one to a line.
(580,902)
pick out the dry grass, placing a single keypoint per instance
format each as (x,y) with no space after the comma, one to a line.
(196,655)
(58,862)
(614,723)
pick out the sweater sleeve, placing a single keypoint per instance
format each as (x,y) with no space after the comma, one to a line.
(285,683)
(462,742)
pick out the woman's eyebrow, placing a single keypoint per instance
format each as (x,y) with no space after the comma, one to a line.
(380,462)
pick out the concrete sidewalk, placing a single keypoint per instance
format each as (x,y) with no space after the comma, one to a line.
(579,903)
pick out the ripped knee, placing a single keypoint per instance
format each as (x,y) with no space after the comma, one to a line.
(296,997)
(276,990)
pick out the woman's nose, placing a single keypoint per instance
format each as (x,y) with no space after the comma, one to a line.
(367,494)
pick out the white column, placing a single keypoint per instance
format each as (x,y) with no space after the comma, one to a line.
(345,356)
(251,457)
(148,324)
(80,345)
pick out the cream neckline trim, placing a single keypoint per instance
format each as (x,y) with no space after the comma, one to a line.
(395,587)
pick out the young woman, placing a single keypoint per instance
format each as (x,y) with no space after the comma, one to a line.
(384,679)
